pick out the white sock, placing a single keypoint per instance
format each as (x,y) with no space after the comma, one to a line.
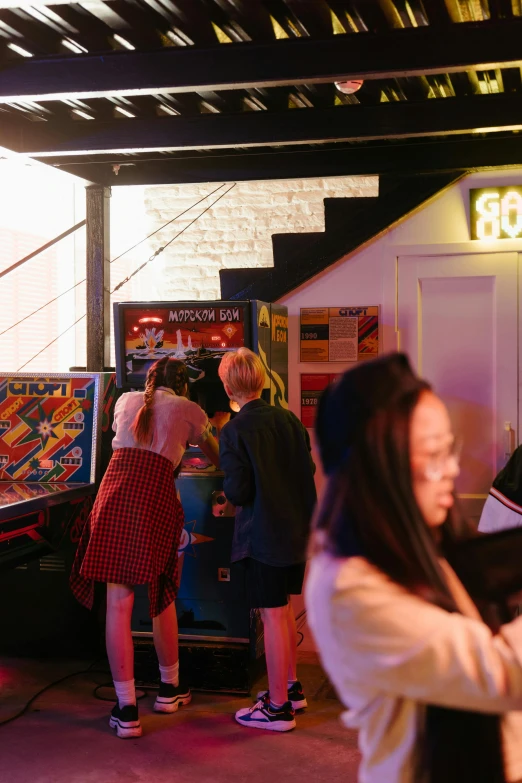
(291,682)
(125,692)
(170,674)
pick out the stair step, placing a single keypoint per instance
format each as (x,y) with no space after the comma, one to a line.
(288,246)
(244,283)
(344,213)
(349,223)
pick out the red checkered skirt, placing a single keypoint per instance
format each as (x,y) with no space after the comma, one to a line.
(133,532)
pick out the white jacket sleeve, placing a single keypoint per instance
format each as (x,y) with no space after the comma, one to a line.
(396,642)
(497,516)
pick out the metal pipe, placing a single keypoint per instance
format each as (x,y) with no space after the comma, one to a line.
(11,268)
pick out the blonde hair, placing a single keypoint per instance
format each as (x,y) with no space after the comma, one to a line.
(243,373)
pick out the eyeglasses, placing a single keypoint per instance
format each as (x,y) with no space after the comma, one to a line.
(436,465)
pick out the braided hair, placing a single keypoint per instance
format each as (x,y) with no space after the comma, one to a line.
(171,373)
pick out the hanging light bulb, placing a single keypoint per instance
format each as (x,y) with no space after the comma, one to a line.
(350,86)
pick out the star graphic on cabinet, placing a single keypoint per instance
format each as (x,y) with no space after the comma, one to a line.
(41,428)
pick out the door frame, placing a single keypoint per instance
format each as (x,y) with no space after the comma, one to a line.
(474,503)
(390,306)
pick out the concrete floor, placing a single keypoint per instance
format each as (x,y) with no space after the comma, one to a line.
(65,737)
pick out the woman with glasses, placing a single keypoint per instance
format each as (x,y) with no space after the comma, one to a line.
(431,686)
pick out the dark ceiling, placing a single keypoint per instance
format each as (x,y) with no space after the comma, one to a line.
(157,91)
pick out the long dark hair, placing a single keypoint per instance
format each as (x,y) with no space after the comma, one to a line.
(369,509)
(171,373)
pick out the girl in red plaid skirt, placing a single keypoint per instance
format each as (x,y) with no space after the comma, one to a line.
(133,533)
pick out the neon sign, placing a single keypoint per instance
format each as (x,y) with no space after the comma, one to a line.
(496,213)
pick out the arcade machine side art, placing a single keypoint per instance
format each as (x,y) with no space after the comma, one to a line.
(220,638)
(270,342)
(50,443)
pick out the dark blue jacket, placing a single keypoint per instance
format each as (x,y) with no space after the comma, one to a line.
(269,475)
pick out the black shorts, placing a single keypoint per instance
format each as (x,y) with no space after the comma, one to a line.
(270,586)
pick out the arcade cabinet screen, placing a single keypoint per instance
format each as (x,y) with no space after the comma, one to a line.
(199,336)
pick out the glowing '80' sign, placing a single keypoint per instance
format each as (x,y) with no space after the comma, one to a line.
(496,213)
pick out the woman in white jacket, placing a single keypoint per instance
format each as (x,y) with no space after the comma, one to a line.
(431,686)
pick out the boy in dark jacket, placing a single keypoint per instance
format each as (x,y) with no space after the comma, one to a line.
(269,476)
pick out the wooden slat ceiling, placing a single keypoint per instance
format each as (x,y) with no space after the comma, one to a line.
(103,119)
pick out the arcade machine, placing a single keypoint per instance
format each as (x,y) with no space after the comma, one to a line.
(52,433)
(220,639)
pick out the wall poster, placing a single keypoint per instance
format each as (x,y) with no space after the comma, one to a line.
(339,334)
(312,386)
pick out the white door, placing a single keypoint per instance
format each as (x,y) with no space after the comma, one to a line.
(457,320)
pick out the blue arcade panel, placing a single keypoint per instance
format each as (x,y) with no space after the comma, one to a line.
(211,599)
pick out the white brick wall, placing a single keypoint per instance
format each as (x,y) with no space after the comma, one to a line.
(236,232)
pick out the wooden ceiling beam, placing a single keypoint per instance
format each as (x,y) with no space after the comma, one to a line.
(437,12)
(189,17)
(394,120)
(242,17)
(372,14)
(500,9)
(36,38)
(408,52)
(315,18)
(92,32)
(426,156)
(145,26)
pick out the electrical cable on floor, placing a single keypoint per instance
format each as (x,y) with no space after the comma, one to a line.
(140,693)
(68,291)
(25,708)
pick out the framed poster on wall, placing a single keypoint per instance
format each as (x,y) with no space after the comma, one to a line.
(339,334)
(312,386)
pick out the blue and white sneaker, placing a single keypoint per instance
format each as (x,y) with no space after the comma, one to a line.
(263,716)
(295,696)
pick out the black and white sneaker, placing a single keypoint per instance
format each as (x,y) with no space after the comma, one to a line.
(295,696)
(126,721)
(263,716)
(171,697)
